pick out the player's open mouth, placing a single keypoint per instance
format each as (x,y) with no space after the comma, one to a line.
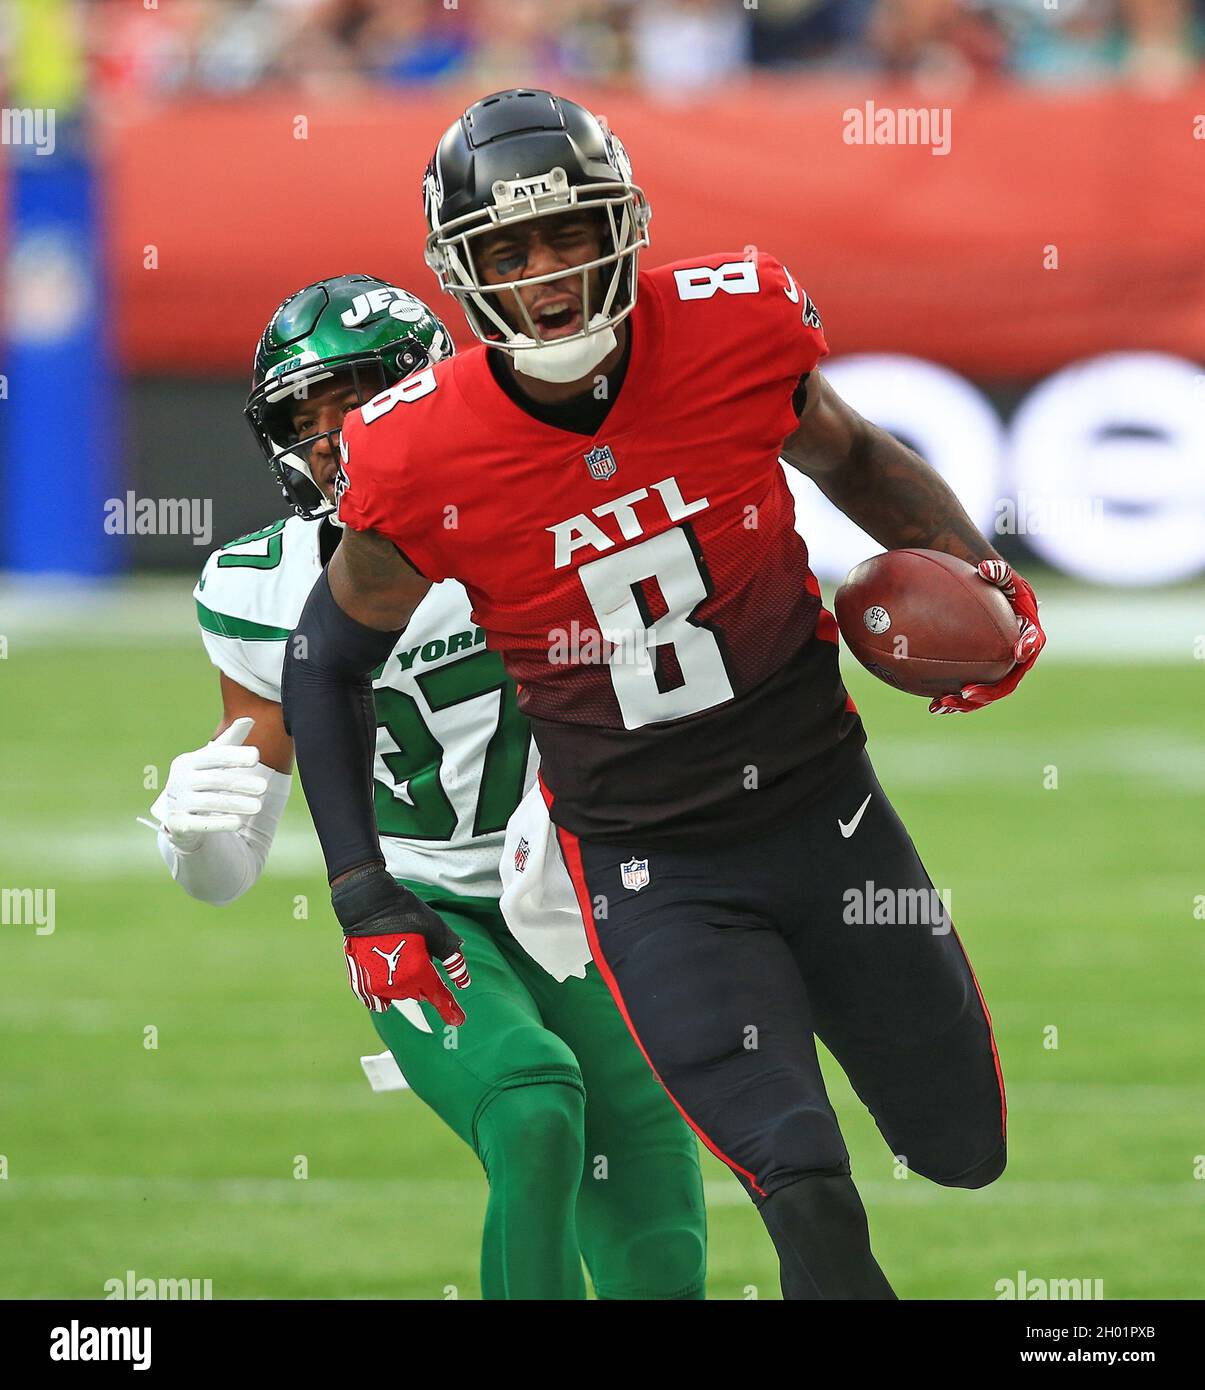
(556,320)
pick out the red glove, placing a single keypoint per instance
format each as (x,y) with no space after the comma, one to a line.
(1030,641)
(384,968)
(389,936)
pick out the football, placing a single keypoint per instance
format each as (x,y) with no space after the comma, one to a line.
(925,622)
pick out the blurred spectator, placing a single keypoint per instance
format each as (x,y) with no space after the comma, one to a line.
(239,46)
(230,46)
(787,33)
(338,42)
(593,43)
(1076,43)
(938,38)
(145,51)
(679,44)
(514,41)
(1162,49)
(1154,42)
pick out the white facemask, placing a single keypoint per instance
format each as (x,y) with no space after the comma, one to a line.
(566,361)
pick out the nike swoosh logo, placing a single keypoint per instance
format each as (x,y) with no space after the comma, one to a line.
(848,830)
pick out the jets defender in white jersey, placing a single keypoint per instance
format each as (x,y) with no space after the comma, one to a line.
(453,760)
(454,755)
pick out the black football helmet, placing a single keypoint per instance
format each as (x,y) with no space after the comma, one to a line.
(521,154)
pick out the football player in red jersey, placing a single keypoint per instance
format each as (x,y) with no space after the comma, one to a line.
(603,476)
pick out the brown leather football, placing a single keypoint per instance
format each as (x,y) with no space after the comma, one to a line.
(925,622)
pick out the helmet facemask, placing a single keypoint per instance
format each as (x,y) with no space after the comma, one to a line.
(450,253)
(270,411)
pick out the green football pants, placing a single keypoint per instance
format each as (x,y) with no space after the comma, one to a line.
(585,1155)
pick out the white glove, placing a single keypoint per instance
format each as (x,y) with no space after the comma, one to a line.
(218,787)
(218,816)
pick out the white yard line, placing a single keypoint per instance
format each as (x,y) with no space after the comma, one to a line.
(114,852)
(1143,758)
(114,613)
(1127,626)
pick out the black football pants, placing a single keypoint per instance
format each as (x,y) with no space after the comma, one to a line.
(728,962)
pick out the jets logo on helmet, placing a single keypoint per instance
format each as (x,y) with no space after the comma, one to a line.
(352,328)
(513,157)
(397,303)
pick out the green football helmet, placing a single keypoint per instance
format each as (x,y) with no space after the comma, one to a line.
(356,325)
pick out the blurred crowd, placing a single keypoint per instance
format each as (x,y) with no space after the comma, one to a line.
(162,47)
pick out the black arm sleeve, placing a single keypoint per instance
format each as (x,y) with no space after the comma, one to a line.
(326,696)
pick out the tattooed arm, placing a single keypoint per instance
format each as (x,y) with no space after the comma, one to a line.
(895,496)
(888,490)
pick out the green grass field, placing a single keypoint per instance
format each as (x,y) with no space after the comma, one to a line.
(1075,903)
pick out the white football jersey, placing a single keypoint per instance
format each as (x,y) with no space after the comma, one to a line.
(454,755)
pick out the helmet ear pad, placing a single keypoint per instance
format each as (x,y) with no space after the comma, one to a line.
(300,490)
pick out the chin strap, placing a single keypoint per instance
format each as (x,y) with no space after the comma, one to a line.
(565,361)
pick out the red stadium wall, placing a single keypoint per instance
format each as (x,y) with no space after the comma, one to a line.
(903,249)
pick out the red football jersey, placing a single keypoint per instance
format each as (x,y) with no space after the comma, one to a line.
(645,585)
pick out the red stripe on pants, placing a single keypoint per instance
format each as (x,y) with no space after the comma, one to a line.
(571,850)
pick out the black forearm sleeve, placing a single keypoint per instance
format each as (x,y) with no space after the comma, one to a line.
(326,695)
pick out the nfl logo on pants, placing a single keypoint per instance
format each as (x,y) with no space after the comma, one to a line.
(635,874)
(601,463)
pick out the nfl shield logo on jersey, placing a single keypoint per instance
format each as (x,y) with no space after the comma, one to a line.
(522,851)
(601,463)
(635,874)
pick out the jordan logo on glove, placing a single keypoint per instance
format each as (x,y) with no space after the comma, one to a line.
(390,958)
